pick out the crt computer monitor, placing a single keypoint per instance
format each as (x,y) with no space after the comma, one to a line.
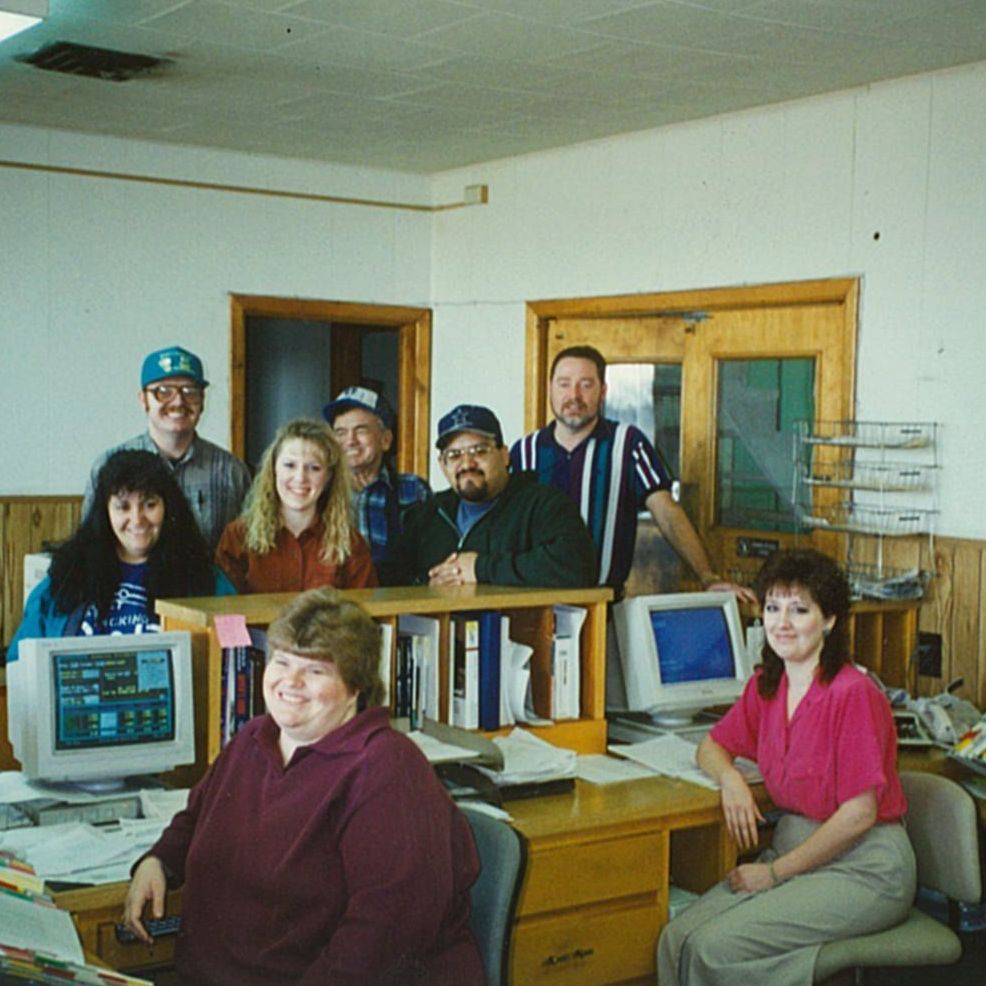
(681,653)
(96,710)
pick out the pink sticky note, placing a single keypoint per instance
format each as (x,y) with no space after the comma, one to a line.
(231,629)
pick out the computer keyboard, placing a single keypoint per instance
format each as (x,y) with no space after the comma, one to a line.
(635,729)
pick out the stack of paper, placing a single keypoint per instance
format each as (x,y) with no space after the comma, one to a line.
(79,853)
(38,942)
(527,759)
(18,875)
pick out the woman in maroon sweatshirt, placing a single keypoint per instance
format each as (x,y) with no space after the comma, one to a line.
(319,847)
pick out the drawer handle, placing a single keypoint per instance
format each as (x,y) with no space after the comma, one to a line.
(579,953)
(557,959)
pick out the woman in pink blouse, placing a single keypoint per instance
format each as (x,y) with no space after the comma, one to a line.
(823,737)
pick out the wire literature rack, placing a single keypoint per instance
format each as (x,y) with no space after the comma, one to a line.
(870,480)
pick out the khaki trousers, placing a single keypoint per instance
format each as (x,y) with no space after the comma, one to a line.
(727,939)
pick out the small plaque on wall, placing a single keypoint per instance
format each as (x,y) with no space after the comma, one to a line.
(756,547)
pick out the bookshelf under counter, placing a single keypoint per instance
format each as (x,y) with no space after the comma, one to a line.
(585,734)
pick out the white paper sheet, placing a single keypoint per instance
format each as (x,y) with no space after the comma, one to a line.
(438,752)
(527,759)
(25,924)
(598,768)
(675,757)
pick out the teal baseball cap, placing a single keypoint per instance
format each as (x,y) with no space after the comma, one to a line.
(171,362)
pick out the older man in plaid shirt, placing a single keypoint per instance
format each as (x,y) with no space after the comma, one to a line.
(364,422)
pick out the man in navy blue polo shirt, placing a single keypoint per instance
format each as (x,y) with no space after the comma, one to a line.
(611,470)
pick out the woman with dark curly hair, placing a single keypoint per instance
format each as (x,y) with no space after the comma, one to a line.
(822,734)
(138,542)
(297,531)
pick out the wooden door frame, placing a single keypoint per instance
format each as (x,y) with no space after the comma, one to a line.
(539,315)
(672,305)
(413,367)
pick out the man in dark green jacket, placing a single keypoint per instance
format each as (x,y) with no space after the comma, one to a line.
(490,526)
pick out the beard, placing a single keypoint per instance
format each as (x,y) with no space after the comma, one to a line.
(575,414)
(472,486)
(576,421)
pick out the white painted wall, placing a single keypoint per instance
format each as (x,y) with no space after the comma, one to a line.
(790,192)
(94,274)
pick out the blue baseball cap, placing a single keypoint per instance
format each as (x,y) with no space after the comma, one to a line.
(171,362)
(468,417)
(361,397)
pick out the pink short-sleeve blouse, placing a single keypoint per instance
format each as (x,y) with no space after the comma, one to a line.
(840,742)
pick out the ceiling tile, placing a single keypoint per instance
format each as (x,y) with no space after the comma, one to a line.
(426,85)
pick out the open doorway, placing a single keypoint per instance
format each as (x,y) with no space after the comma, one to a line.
(288,357)
(294,366)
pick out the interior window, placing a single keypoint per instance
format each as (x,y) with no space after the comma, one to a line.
(758,402)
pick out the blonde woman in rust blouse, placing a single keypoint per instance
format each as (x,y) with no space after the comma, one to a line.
(296,531)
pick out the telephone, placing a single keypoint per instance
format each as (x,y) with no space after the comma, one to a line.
(941,719)
(946,716)
(937,721)
(910,729)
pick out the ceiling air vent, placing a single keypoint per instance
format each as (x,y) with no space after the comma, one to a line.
(97,63)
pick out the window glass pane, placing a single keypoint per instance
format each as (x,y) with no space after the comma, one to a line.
(648,395)
(759,401)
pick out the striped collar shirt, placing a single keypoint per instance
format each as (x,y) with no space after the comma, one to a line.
(609,475)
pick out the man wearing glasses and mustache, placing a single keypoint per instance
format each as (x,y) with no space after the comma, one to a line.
(491,525)
(172,394)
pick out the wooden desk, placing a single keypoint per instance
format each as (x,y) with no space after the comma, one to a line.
(595,893)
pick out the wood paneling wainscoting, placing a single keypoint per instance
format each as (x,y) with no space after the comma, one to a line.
(26,523)
(954,606)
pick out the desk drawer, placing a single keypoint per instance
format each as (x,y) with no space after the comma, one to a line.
(584,873)
(586,947)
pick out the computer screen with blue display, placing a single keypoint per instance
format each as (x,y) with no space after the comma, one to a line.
(99,709)
(111,699)
(681,653)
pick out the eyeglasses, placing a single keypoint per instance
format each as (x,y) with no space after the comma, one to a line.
(163,392)
(452,455)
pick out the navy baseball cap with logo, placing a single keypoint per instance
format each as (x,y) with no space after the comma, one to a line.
(361,397)
(468,417)
(171,362)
